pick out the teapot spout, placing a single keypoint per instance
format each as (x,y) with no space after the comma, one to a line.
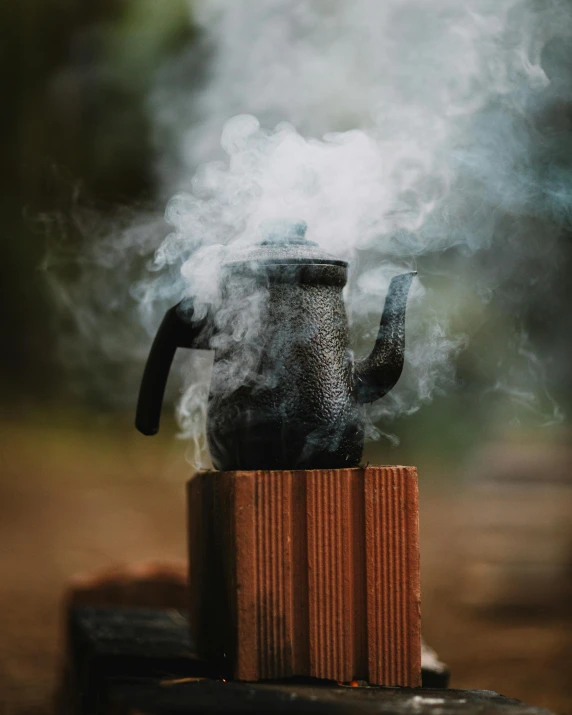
(378,373)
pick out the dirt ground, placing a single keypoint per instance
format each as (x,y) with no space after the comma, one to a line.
(72,503)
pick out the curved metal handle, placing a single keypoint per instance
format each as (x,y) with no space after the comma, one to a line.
(174,332)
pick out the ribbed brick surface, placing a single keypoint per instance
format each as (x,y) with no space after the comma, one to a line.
(310,573)
(273,574)
(331,601)
(392,572)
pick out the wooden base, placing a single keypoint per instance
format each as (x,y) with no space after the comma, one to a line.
(133,661)
(307,573)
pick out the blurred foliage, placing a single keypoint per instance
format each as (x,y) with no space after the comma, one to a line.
(76,75)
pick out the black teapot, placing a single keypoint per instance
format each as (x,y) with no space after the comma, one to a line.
(285,390)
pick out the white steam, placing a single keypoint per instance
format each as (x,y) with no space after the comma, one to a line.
(426,113)
(357,200)
(406,133)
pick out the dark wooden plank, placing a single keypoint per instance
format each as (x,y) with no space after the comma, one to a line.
(123,661)
(109,642)
(207,696)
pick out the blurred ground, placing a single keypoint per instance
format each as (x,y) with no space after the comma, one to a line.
(77,498)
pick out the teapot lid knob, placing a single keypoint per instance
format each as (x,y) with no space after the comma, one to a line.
(281,241)
(285,231)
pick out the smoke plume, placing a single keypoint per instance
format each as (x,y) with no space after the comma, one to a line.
(406,133)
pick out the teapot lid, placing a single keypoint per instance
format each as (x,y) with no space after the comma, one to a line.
(284,242)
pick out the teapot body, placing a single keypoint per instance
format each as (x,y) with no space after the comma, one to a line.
(285,392)
(285,397)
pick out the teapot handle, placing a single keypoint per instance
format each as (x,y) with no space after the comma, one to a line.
(175,331)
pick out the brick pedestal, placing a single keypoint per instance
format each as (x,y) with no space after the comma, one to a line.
(307,573)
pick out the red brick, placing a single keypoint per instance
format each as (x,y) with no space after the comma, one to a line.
(307,573)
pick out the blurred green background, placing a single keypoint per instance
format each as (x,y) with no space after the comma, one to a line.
(80,151)
(75,138)
(80,489)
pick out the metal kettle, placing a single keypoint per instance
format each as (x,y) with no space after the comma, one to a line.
(289,395)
